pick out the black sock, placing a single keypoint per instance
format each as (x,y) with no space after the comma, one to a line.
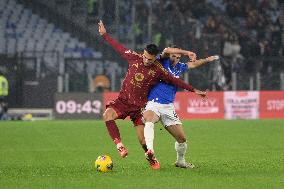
(144,146)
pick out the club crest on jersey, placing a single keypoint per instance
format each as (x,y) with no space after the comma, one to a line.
(139,76)
(136,81)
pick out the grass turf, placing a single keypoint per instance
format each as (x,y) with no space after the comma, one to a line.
(59,154)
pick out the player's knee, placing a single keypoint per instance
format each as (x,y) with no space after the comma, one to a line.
(181,139)
(107,116)
(149,116)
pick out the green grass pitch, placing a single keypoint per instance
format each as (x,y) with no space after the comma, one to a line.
(59,154)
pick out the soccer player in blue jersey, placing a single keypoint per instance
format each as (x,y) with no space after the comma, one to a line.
(160,103)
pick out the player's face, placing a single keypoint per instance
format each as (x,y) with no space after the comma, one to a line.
(175,58)
(148,59)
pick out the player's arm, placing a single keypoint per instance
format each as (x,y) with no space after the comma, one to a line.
(181,84)
(169,50)
(168,78)
(116,45)
(199,62)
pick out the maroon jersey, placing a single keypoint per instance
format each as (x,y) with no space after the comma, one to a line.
(140,78)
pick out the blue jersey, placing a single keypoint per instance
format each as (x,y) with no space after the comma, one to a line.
(162,92)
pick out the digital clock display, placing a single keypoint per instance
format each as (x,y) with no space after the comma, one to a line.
(71,107)
(78,106)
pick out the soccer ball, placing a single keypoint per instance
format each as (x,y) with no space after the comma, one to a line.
(103,163)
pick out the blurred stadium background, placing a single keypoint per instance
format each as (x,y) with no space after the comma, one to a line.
(58,67)
(53,46)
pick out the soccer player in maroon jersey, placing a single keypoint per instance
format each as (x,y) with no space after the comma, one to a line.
(144,71)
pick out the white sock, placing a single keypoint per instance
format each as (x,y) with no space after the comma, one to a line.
(149,135)
(181,150)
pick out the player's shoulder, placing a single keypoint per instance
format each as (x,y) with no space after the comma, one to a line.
(182,66)
(132,53)
(163,59)
(159,66)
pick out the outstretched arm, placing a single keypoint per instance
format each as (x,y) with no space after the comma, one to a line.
(168,78)
(199,62)
(116,45)
(181,84)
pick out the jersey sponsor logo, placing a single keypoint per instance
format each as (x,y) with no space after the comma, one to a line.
(151,72)
(136,65)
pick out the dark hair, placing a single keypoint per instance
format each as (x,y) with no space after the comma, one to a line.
(175,46)
(152,49)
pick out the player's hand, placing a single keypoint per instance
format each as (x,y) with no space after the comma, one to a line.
(212,58)
(191,55)
(102,29)
(202,94)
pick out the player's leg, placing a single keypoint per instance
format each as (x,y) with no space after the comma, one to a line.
(180,145)
(150,157)
(173,125)
(109,116)
(177,132)
(151,116)
(140,134)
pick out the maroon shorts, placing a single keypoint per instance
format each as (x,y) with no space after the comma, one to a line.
(124,109)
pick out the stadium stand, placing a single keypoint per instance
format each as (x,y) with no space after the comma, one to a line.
(23,31)
(28,32)
(62,35)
